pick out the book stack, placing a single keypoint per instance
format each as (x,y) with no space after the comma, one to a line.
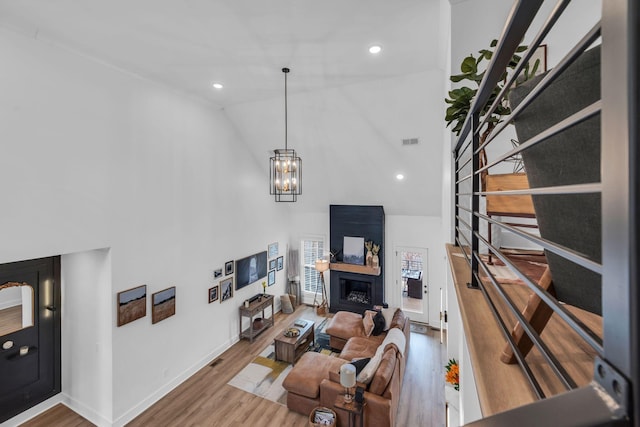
(300,323)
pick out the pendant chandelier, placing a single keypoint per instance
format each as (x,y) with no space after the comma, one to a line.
(285,181)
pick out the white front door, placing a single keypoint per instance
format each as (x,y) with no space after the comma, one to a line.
(412,282)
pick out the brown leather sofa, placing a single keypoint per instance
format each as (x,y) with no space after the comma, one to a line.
(315,379)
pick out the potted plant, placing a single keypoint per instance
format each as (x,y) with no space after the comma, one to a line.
(460,99)
(452,376)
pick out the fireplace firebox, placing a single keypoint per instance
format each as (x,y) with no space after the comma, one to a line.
(355,291)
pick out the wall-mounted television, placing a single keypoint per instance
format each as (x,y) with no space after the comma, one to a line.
(251,269)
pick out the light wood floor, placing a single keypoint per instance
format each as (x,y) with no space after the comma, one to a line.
(206,399)
(10,320)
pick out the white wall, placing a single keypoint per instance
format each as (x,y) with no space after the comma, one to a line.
(350,137)
(87,332)
(93,157)
(419,232)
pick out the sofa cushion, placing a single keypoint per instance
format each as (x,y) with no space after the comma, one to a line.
(384,372)
(359,347)
(378,324)
(309,372)
(345,325)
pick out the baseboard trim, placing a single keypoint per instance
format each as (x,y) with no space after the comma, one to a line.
(86,412)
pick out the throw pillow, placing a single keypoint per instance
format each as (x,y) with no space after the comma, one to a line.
(366,375)
(388,316)
(360,364)
(379,324)
(367,323)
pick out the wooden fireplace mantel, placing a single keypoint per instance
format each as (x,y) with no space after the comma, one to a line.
(353,268)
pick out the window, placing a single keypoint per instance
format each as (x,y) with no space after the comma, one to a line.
(312,249)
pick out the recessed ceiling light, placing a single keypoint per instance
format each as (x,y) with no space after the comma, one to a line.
(375,49)
(217,86)
(399,177)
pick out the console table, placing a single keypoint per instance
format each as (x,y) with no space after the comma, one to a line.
(254,308)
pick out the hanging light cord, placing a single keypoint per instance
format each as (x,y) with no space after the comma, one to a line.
(285,71)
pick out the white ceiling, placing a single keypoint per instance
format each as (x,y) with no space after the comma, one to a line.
(356,108)
(243,44)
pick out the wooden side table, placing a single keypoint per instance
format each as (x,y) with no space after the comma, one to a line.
(353,408)
(254,308)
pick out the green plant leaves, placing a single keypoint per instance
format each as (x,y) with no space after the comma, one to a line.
(460,99)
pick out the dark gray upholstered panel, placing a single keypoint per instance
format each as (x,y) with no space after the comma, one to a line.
(572,157)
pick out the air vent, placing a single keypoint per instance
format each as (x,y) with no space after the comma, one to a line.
(410,141)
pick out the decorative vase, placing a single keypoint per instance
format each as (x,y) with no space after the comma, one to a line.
(369,259)
(257,323)
(375,261)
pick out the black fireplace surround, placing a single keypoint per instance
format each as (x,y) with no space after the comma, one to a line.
(353,291)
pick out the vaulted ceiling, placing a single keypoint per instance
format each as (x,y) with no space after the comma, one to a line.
(349,109)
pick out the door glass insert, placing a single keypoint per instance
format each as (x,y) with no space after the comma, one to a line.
(16,307)
(412,277)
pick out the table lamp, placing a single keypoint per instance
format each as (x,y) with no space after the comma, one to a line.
(348,380)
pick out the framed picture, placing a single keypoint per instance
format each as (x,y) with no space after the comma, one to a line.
(272,264)
(353,250)
(273,250)
(540,54)
(280,262)
(251,269)
(228,268)
(163,304)
(132,304)
(272,277)
(217,273)
(226,289)
(213,293)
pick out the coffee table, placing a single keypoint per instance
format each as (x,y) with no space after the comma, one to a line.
(288,349)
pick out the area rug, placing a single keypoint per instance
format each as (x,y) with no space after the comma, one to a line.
(264,376)
(322,340)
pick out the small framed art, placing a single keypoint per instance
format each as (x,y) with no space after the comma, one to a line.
(163,304)
(280,262)
(217,273)
(213,293)
(228,268)
(226,289)
(272,277)
(272,264)
(273,250)
(132,304)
